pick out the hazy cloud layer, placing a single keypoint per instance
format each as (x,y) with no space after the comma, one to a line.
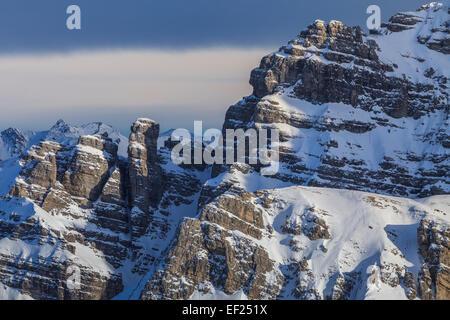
(174,88)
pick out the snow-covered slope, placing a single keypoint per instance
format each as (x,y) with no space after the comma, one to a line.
(46,258)
(372,242)
(305,243)
(12,143)
(356,111)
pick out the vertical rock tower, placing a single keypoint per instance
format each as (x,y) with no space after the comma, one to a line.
(144,172)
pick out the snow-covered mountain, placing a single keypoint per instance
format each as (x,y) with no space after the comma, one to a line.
(12,143)
(355,111)
(294,242)
(360,208)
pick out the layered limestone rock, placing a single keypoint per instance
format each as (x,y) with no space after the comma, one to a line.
(435,38)
(101,198)
(316,246)
(80,171)
(46,257)
(218,250)
(207,256)
(434,244)
(142,159)
(90,167)
(333,89)
(80,185)
(39,170)
(144,173)
(234,213)
(48,280)
(112,208)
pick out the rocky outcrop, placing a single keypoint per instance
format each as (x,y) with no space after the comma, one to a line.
(235,213)
(333,63)
(86,183)
(142,159)
(57,260)
(80,171)
(207,256)
(113,205)
(435,38)
(334,87)
(434,244)
(90,167)
(218,250)
(144,173)
(48,280)
(40,172)
(12,143)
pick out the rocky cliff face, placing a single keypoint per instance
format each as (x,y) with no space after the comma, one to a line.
(306,243)
(12,143)
(144,173)
(87,205)
(356,111)
(358,210)
(434,244)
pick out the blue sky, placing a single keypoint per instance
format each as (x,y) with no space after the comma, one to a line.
(203,33)
(39,25)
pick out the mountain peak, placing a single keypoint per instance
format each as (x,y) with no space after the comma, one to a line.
(429,23)
(11,132)
(60,126)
